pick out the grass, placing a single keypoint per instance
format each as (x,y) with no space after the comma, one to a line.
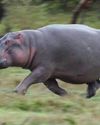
(39,106)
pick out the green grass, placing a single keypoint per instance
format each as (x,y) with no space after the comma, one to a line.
(41,107)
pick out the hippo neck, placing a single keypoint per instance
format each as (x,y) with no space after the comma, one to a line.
(30,59)
(98,31)
(31,56)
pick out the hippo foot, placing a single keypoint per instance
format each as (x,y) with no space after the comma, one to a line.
(21,92)
(53,86)
(91,90)
(60,92)
(90,95)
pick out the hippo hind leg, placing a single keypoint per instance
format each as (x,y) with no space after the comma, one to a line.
(53,86)
(97,84)
(92,87)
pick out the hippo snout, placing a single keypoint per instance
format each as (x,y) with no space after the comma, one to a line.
(3,63)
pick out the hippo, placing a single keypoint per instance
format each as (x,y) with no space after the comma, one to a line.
(69,52)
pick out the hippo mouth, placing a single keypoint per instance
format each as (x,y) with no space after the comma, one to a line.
(3,63)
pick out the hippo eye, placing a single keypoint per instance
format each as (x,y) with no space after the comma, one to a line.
(7,42)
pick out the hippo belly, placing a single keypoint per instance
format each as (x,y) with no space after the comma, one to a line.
(76,77)
(77,63)
(80,70)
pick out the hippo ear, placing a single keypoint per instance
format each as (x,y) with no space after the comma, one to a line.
(19,38)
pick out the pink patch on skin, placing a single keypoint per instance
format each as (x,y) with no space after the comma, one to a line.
(30,57)
(20,58)
(19,38)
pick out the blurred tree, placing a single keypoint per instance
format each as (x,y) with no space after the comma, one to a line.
(2,10)
(83,4)
(54,6)
(16,2)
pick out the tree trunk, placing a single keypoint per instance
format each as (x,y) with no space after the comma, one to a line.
(83,4)
(2,10)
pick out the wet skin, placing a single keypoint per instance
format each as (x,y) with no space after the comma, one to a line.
(66,52)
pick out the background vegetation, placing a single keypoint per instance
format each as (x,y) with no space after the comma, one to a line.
(40,106)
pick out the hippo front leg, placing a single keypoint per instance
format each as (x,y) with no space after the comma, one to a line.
(38,75)
(52,85)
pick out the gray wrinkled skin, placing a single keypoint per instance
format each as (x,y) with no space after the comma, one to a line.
(67,52)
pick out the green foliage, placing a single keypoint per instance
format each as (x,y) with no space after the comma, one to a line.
(16,2)
(56,6)
(2,29)
(37,16)
(52,6)
(37,13)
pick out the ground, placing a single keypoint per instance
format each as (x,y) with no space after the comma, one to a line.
(41,107)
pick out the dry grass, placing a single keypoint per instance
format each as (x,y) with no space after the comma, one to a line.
(41,107)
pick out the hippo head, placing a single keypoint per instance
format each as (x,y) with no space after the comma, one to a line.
(13,51)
